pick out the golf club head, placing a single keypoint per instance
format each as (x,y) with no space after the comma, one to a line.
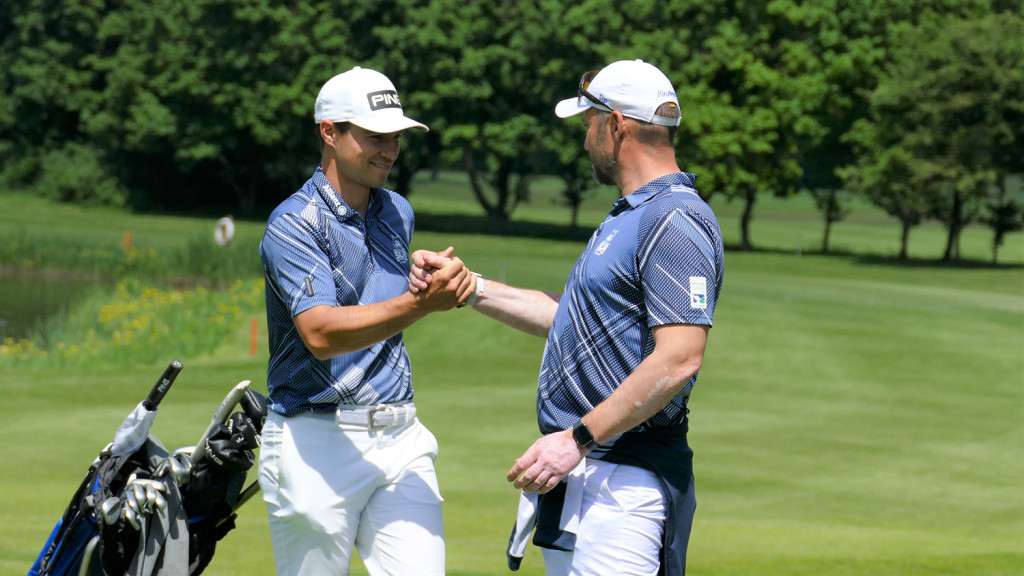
(111,510)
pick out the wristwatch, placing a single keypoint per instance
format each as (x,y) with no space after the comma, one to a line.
(581,434)
(480,285)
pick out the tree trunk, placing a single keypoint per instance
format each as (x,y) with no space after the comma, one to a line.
(955,225)
(573,194)
(828,233)
(474,182)
(904,239)
(497,211)
(748,213)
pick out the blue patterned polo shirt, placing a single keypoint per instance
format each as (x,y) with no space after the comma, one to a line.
(317,250)
(656,259)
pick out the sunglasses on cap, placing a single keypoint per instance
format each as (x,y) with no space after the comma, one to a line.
(585,81)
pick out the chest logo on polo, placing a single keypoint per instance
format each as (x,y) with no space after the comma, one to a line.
(606,242)
(698,292)
(401,254)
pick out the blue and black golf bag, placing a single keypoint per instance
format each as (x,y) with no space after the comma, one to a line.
(144,511)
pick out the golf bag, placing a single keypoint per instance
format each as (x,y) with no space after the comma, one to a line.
(144,511)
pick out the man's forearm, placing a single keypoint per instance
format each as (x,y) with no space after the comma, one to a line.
(330,331)
(678,354)
(531,311)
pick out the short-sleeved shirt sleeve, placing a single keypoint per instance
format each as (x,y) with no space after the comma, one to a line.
(297,265)
(679,264)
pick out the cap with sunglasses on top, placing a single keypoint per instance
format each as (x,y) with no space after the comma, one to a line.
(365,98)
(633,87)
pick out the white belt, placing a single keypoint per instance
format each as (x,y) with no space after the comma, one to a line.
(380,416)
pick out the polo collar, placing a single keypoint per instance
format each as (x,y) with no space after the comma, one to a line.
(652,189)
(338,205)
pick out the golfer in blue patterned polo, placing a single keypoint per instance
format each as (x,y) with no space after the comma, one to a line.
(344,461)
(609,487)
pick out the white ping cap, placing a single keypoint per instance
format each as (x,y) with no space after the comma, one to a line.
(365,98)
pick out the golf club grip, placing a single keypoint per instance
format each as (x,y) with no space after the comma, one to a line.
(163,385)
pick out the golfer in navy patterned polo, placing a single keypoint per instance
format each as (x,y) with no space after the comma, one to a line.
(345,463)
(609,487)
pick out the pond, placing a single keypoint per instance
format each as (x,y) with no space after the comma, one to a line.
(28,299)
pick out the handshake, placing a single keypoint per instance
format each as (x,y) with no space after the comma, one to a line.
(442,281)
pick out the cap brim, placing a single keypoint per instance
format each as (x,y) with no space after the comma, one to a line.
(389,125)
(571,107)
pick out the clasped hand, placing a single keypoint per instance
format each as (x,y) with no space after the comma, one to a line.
(439,279)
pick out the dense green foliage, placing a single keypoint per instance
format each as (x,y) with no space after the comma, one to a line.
(944,127)
(205,106)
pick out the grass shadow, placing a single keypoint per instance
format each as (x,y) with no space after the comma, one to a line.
(885,259)
(959,264)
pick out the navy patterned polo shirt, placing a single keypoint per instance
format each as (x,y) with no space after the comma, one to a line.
(656,259)
(317,250)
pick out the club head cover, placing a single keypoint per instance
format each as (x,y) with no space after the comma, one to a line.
(254,405)
(243,430)
(229,448)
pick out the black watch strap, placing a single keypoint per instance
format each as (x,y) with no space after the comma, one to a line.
(582,435)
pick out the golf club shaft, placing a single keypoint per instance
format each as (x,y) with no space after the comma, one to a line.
(246,495)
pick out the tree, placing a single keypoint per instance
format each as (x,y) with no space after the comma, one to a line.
(209,103)
(44,89)
(847,47)
(482,72)
(199,106)
(577,175)
(739,70)
(829,202)
(884,179)
(1005,215)
(950,100)
(751,85)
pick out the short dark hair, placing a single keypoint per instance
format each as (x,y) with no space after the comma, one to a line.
(655,134)
(339,127)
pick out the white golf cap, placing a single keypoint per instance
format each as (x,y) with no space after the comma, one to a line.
(365,98)
(632,87)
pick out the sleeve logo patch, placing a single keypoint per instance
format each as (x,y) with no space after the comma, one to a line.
(698,292)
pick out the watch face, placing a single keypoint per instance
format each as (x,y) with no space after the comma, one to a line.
(582,435)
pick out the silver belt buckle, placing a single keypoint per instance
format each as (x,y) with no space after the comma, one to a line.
(371,412)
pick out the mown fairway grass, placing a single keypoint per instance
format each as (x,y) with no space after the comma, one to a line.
(854,417)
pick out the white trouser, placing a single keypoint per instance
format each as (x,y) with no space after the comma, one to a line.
(622,519)
(329,487)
